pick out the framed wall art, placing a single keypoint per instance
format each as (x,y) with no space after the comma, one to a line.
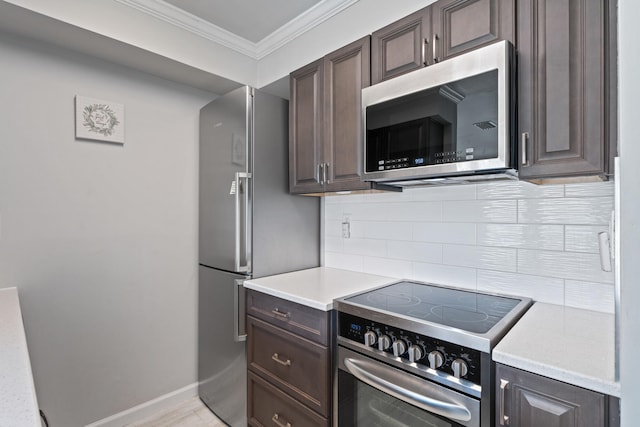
(99,120)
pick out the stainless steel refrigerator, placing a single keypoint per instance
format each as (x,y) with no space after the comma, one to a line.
(249,226)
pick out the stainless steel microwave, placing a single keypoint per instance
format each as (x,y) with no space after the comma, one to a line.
(451,121)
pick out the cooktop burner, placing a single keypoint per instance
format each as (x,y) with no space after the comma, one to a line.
(466,310)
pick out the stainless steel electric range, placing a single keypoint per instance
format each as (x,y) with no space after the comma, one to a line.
(418,354)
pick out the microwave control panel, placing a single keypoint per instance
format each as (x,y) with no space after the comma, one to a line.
(436,159)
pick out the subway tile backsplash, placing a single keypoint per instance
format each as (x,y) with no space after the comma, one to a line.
(510,237)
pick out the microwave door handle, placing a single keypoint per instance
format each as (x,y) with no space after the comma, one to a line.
(445,409)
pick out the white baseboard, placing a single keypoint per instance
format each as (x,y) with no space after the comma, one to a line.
(144,410)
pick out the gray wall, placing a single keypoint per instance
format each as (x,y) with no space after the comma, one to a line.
(100,239)
(629,63)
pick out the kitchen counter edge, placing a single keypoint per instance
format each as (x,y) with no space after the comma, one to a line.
(567,344)
(317,287)
(18,402)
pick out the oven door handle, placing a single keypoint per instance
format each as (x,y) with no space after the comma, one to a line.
(392,385)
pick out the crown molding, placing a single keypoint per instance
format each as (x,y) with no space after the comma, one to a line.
(304,22)
(301,24)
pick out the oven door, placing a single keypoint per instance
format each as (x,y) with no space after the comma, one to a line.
(371,393)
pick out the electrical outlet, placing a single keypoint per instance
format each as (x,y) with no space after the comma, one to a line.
(346,227)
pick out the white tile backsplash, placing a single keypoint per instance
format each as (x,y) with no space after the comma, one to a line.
(583,211)
(589,295)
(344,261)
(456,192)
(509,237)
(524,236)
(518,190)
(461,277)
(495,211)
(583,238)
(369,247)
(539,288)
(564,265)
(502,259)
(590,189)
(415,251)
(390,230)
(445,232)
(387,267)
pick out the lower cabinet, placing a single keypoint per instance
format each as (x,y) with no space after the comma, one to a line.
(289,363)
(524,399)
(268,406)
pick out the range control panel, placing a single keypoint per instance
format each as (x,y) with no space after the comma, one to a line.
(410,347)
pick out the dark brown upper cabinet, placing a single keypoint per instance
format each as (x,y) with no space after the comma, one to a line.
(442,30)
(325,125)
(459,26)
(566,92)
(401,47)
(305,128)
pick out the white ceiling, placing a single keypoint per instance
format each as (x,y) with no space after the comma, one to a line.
(250,19)
(254,28)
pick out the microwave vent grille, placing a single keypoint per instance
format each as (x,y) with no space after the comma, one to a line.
(487,124)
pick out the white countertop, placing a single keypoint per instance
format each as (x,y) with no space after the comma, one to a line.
(317,287)
(18,403)
(567,344)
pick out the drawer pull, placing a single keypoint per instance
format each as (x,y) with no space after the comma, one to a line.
(276,421)
(276,358)
(280,314)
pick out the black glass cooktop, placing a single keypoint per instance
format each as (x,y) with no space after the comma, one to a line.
(466,310)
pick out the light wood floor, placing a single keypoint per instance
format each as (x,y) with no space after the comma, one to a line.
(191,413)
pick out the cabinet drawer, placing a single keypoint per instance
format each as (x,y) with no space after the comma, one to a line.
(294,364)
(297,318)
(268,406)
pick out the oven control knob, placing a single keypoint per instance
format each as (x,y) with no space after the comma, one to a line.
(399,348)
(384,342)
(415,353)
(436,359)
(370,338)
(460,368)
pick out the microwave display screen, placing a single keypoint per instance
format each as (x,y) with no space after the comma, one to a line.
(451,123)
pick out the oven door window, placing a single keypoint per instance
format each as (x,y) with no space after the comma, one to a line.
(362,405)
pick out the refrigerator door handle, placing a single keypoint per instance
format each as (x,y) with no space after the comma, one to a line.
(239,325)
(243,221)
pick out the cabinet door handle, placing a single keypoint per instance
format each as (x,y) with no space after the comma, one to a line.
(320,167)
(523,146)
(276,421)
(281,314)
(504,419)
(424,52)
(435,48)
(326,173)
(276,358)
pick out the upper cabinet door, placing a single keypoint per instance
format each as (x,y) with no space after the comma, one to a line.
(306,129)
(459,26)
(563,106)
(347,72)
(401,47)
